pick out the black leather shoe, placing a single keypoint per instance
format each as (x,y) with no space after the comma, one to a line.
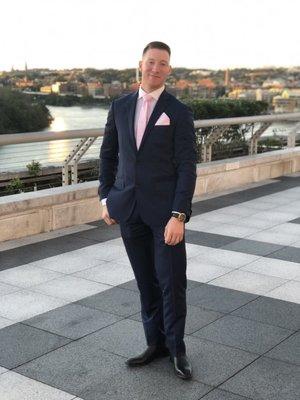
(150,354)
(182,366)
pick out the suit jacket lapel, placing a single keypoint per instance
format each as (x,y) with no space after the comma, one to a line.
(158,110)
(131,111)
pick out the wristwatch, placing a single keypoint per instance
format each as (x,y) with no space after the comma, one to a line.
(180,216)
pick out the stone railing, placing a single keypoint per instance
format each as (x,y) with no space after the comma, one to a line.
(46,210)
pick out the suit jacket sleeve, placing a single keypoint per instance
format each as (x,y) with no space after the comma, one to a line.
(108,155)
(185,157)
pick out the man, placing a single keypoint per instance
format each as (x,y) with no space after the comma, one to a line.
(147,180)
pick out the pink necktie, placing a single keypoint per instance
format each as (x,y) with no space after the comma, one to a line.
(143,119)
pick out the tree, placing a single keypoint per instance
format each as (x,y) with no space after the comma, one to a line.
(19,114)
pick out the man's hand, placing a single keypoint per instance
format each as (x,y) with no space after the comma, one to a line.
(106,217)
(174,231)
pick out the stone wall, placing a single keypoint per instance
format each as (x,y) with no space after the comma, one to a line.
(46,210)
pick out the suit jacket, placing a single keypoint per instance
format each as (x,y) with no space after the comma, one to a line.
(161,175)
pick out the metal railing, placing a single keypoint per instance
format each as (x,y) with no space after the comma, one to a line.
(217,129)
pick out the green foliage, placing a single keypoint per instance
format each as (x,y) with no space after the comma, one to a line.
(19,114)
(225,108)
(15,186)
(69,100)
(34,168)
(270,142)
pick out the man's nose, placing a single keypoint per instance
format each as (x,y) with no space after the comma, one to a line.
(155,67)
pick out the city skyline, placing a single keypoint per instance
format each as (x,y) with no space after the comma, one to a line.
(220,34)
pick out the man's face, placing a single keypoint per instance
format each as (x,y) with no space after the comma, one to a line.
(155,68)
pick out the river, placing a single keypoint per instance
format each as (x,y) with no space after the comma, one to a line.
(15,157)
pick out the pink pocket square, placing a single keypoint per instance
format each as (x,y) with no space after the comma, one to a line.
(163,120)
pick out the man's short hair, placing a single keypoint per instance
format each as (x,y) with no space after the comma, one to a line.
(157,45)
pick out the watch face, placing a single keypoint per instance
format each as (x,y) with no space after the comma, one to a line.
(181,217)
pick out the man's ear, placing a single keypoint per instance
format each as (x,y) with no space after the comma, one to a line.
(170,71)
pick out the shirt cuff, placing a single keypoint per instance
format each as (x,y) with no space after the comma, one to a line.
(103,201)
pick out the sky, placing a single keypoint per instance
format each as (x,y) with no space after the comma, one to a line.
(213,34)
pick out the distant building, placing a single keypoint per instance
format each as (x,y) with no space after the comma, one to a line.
(288,101)
(46,89)
(94,89)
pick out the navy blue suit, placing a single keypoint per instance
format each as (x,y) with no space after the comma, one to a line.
(142,188)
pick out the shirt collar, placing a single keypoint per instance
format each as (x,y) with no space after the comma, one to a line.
(155,94)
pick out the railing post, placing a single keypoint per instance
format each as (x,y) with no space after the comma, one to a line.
(291,140)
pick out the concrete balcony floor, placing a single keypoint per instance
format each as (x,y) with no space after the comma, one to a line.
(69,307)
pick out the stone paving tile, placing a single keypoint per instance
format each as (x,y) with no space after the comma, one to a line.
(231,230)
(25,254)
(41,237)
(296,221)
(248,282)
(103,251)
(243,333)
(70,288)
(70,242)
(142,384)
(253,247)
(110,273)
(218,394)
(72,321)
(290,291)
(208,239)
(273,237)
(132,285)
(17,387)
(254,222)
(6,289)
(224,258)
(197,317)
(218,298)
(2,370)
(288,350)
(192,250)
(213,217)
(212,363)
(68,263)
(286,228)
(274,215)
(273,267)
(26,275)
(25,304)
(5,322)
(124,338)
(85,369)
(275,312)
(100,234)
(266,379)
(203,272)
(20,344)
(116,301)
(287,253)
(238,210)
(81,365)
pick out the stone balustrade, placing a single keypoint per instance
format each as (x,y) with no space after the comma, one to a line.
(46,210)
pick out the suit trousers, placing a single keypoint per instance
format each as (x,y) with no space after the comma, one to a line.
(160,272)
